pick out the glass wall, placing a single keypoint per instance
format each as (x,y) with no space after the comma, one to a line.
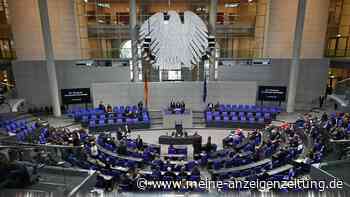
(147,8)
(104,24)
(104,28)
(338,30)
(240,28)
(6,43)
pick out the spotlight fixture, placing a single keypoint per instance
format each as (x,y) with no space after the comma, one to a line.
(211,42)
(166,17)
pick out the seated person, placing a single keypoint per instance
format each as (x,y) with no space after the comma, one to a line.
(178,128)
(140,106)
(183,174)
(127,131)
(109,109)
(237,137)
(128,113)
(107,180)
(119,134)
(275,135)
(93,150)
(324,117)
(110,142)
(338,133)
(183,106)
(172,105)
(208,146)
(156,174)
(169,173)
(217,106)
(139,143)
(210,107)
(122,149)
(178,105)
(76,139)
(195,171)
(101,106)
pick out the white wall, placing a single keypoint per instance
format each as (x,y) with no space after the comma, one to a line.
(161,93)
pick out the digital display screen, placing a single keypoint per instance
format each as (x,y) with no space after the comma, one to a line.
(76,96)
(272,93)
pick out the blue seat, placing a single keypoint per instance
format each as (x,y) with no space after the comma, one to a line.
(226,118)
(93,117)
(111,121)
(92,123)
(209,118)
(252,120)
(115,109)
(241,114)
(85,118)
(234,107)
(101,122)
(243,119)
(234,119)
(119,121)
(267,116)
(228,108)
(258,114)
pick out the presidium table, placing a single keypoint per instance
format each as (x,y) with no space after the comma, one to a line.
(193,143)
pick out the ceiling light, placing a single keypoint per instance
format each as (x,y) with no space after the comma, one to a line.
(231,5)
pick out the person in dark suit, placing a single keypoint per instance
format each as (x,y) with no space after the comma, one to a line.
(183,174)
(178,105)
(122,150)
(169,173)
(102,106)
(208,146)
(119,134)
(140,106)
(139,143)
(183,106)
(210,107)
(217,106)
(172,105)
(195,171)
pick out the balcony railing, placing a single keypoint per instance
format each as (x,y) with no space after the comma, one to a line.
(337,53)
(7,55)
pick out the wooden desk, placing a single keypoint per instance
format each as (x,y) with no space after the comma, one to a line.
(116,155)
(279,169)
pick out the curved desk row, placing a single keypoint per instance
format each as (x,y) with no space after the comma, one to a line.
(108,152)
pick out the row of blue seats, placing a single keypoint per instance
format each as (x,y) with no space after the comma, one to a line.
(81,111)
(236,119)
(15,129)
(86,118)
(248,108)
(248,114)
(105,122)
(21,135)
